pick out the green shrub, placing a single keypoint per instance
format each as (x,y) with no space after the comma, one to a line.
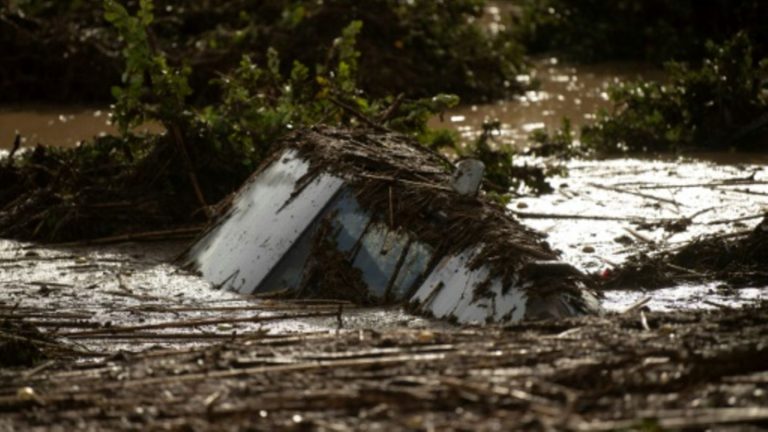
(419,47)
(646,30)
(131,182)
(722,104)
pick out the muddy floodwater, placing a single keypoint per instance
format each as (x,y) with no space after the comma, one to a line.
(604,211)
(113,334)
(55,126)
(64,126)
(593,218)
(601,212)
(88,292)
(558,91)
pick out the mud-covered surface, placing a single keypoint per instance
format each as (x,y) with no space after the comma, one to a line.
(684,370)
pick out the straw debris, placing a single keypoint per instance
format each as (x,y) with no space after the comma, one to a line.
(685,370)
(735,259)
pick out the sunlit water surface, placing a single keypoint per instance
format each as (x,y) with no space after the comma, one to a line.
(63,126)
(720,193)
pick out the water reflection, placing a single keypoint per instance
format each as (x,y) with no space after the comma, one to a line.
(682,297)
(653,188)
(715,197)
(57,126)
(576,92)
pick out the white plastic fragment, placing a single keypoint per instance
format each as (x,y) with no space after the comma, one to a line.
(468,176)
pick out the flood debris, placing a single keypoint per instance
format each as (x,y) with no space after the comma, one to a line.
(195,358)
(373,218)
(737,259)
(24,345)
(636,371)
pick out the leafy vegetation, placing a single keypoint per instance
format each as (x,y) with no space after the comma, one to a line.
(56,51)
(722,104)
(560,143)
(419,47)
(119,184)
(503,176)
(596,30)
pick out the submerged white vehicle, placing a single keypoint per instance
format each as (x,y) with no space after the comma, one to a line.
(376,219)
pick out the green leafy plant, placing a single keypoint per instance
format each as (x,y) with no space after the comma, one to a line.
(561,143)
(722,104)
(419,47)
(151,88)
(259,104)
(597,30)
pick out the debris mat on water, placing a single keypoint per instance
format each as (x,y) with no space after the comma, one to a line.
(114,186)
(98,190)
(738,260)
(647,371)
(23,345)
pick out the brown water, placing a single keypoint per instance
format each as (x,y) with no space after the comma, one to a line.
(674,188)
(576,92)
(56,126)
(62,126)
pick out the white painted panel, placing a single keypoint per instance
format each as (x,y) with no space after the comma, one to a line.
(437,277)
(414,266)
(350,220)
(263,224)
(379,253)
(449,292)
(442,290)
(511,306)
(466,307)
